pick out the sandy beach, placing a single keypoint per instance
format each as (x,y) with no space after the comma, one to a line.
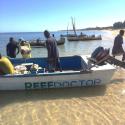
(100,105)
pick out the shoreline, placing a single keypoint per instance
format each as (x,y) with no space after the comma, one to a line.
(90,29)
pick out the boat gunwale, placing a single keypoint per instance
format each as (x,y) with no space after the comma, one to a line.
(63,73)
(45,74)
(52,74)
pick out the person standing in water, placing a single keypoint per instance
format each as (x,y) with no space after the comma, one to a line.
(117,47)
(25,49)
(53,53)
(12,48)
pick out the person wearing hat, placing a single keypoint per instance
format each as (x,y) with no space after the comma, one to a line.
(12,48)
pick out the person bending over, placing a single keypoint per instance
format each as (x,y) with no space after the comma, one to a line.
(53,53)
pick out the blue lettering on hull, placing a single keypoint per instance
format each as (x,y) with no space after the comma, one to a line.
(61,84)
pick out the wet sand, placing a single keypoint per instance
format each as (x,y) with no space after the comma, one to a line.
(100,105)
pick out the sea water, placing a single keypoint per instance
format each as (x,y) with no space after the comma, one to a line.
(69,48)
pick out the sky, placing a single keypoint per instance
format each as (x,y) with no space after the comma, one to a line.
(54,15)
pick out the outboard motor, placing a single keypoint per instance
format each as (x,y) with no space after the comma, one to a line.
(96,52)
(99,54)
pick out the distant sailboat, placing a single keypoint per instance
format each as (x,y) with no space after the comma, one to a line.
(67,29)
(74,29)
(73,25)
(81,37)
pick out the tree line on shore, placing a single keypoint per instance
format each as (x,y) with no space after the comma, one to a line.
(119,25)
(116,25)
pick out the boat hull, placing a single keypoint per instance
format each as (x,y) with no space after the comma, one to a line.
(46,81)
(67,78)
(80,38)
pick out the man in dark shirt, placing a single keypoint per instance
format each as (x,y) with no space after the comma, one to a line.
(12,48)
(53,53)
(117,47)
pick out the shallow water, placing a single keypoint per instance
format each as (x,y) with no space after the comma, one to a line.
(69,48)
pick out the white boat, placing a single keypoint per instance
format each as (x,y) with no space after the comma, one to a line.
(75,74)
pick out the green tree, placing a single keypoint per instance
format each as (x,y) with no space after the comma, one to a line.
(118,25)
